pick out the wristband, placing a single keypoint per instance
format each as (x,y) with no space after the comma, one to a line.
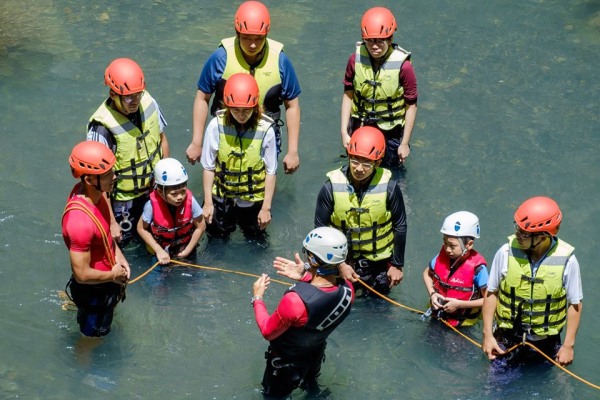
(255,298)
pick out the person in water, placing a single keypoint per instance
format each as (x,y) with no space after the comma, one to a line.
(239,158)
(365,202)
(99,269)
(380,87)
(172,222)
(534,289)
(251,52)
(307,314)
(456,278)
(130,123)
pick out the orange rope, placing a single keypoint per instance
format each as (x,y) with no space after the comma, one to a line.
(388,299)
(383,297)
(205,267)
(69,305)
(479,345)
(109,255)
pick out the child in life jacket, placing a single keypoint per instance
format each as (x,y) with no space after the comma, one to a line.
(172,221)
(456,278)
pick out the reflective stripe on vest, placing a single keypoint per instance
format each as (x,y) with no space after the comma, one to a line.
(539,303)
(171,230)
(240,170)
(138,151)
(379,98)
(266,73)
(458,283)
(368,223)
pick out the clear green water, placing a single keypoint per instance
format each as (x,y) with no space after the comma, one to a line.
(508,109)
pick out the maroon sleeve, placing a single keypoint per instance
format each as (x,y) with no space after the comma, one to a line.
(349,76)
(408,80)
(291,311)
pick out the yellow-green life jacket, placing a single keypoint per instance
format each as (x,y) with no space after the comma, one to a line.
(266,73)
(367,223)
(138,151)
(379,98)
(240,170)
(539,303)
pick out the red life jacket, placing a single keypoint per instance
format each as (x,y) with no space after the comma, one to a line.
(458,283)
(175,233)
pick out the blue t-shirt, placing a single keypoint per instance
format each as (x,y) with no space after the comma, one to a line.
(215,66)
(148,213)
(481,274)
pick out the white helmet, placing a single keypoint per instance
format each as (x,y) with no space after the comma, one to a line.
(169,172)
(327,244)
(461,224)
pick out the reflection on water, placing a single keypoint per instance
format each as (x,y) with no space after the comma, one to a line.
(507,110)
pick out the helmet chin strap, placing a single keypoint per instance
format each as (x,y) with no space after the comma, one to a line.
(463,247)
(533,246)
(464,251)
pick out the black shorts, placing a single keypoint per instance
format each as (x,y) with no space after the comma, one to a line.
(95,305)
(228,215)
(525,354)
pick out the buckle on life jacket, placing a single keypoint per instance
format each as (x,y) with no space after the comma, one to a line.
(236,154)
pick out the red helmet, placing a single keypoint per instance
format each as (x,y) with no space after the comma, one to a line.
(539,214)
(91,158)
(241,90)
(252,18)
(378,23)
(367,142)
(124,76)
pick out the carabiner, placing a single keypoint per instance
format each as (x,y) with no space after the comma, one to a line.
(125,223)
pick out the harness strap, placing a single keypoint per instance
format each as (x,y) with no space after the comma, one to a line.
(108,253)
(242,173)
(519,299)
(532,279)
(364,229)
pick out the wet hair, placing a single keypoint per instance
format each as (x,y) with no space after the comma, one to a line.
(252,122)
